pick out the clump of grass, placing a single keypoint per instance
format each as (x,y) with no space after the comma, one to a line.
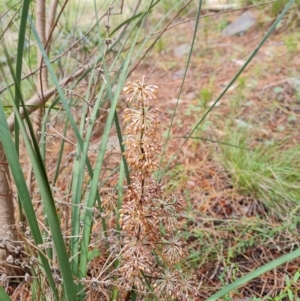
(268,172)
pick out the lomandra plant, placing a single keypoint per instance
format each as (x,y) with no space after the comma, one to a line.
(151,250)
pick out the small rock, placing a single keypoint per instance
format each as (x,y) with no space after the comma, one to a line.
(182,50)
(178,74)
(239,62)
(240,25)
(191,95)
(219,5)
(113,143)
(243,124)
(295,83)
(191,183)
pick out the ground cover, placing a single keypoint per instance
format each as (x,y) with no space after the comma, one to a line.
(238,173)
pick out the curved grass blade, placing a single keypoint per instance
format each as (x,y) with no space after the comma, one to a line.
(50,210)
(129,20)
(213,141)
(78,179)
(265,268)
(120,138)
(3,295)
(181,87)
(19,62)
(46,195)
(12,158)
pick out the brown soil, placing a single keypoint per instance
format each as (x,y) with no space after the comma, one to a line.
(217,209)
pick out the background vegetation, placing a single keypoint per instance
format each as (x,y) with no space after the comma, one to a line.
(216,214)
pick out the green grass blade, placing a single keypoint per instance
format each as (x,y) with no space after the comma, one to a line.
(120,138)
(56,83)
(213,141)
(265,268)
(120,194)
(3,295)
(48,202)
(50,209)
(115,291)
(47,198)
(59,158)
(12,158)
(130,20)
(20,51)
(78,172)
(182,84)
(77,194)
(133,296)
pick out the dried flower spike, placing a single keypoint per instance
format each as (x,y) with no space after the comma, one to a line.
(140,91)
(148,255)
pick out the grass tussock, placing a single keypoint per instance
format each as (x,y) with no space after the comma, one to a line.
(268,172)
